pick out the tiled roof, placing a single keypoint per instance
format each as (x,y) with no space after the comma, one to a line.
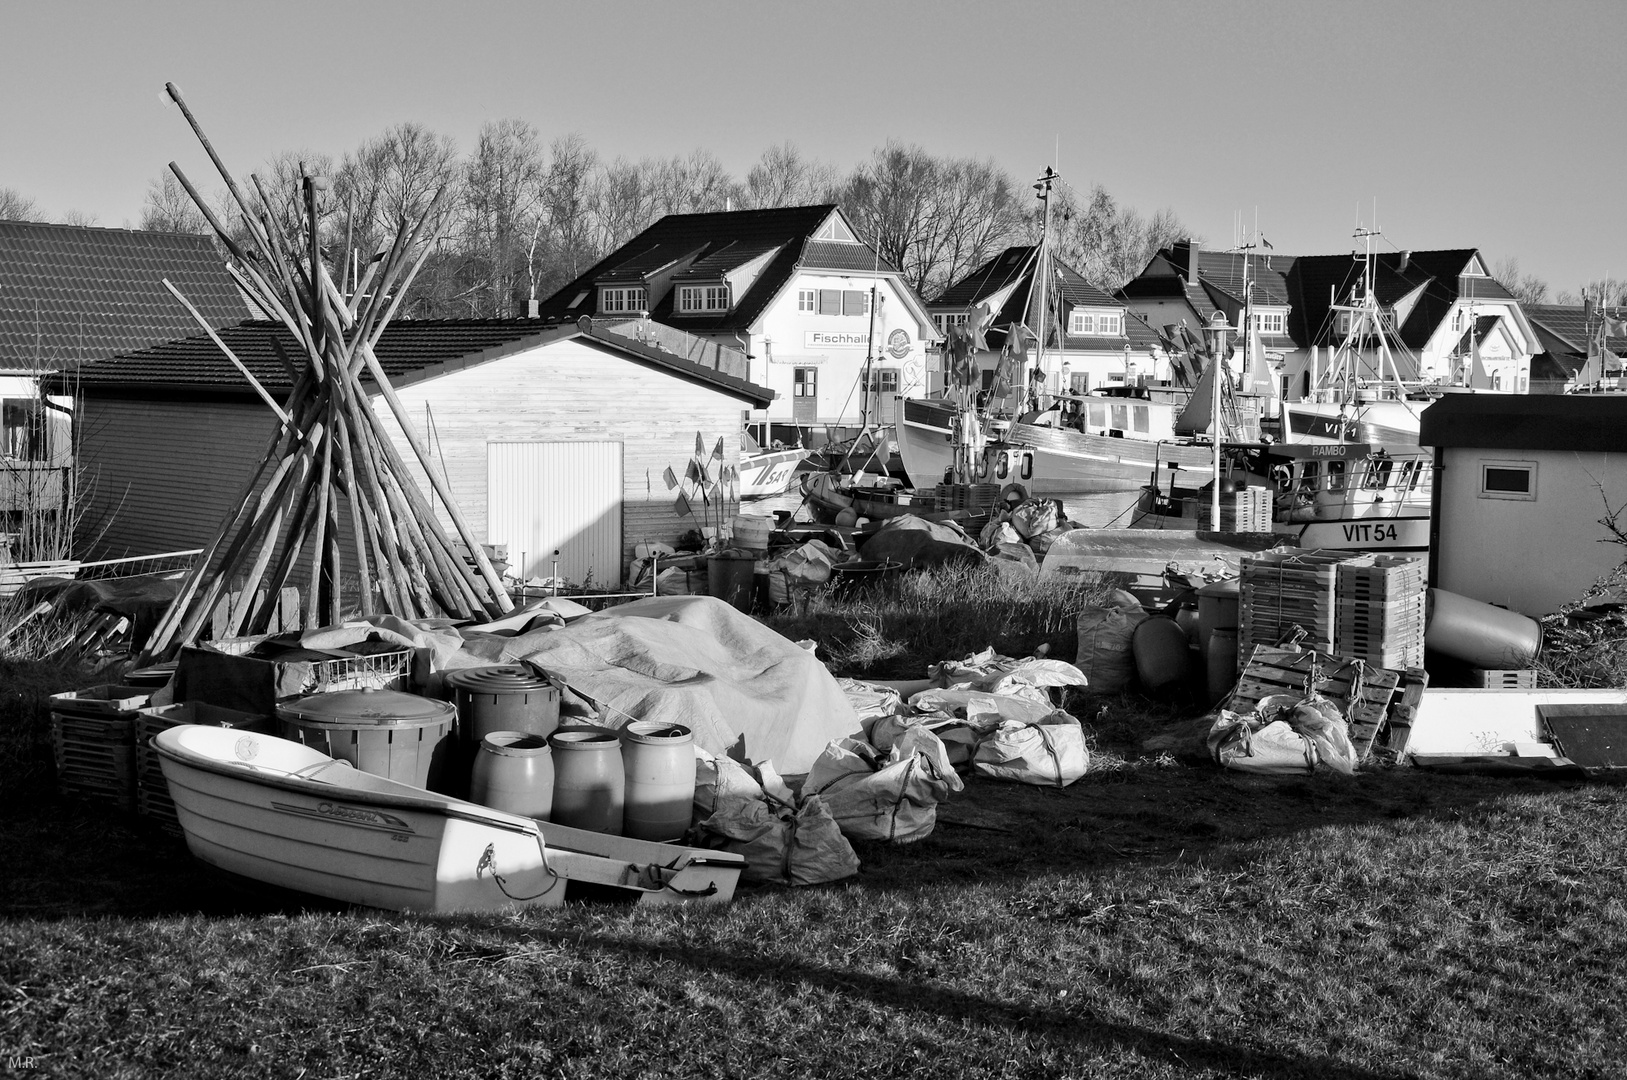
(1482,326)
(719,242)
(73,294)
(405,350)
(1569,326)
(844,255)
(1011,265)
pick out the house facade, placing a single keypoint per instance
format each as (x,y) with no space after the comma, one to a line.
(826,324)
(1521,483)
(1570,335)
(552,438)
(70,296)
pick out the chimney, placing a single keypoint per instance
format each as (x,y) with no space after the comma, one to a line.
(1406,260)
(531,307)
(1192,249)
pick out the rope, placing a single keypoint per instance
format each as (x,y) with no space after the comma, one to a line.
(488,862)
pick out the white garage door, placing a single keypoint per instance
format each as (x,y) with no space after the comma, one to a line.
(564,496)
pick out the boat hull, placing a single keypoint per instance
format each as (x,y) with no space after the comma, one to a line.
(1406,532)
(769,473)
(1064,461)
(282,813)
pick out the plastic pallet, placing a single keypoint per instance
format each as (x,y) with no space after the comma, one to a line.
(1503,678)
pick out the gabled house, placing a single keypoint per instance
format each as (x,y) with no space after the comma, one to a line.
(1090,336)
(1456,324)
(70,296)
(790,288)
(1436,301)
(552,437)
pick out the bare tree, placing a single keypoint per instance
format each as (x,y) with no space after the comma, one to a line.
(502,200)
(15,206)
(168,208)
(891,201)
(1609,292)
(1527,288)
(689,185)
(1106,243)
(783,177)
(82,218)
(568,198)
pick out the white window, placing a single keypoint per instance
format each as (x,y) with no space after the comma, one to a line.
(1269,322)
(807,301)
(632,298)
(700,298)
(1508,480)
(1457,321)
(944,322)
(1095,323)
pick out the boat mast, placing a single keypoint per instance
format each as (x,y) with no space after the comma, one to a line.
(1042,265)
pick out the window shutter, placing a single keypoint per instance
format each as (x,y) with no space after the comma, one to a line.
(830,301)
(852,302)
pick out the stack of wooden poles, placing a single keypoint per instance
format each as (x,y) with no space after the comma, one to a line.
(331,468)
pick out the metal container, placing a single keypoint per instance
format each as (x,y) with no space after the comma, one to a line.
(384,732)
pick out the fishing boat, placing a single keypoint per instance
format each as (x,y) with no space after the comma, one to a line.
(288,815)
(840,500)
(1345,496)
(766,472)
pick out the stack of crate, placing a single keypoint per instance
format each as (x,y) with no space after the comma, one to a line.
(1245,511)
(152,790)
(1381,611)
(93,735)
(1285,592)
(977,498)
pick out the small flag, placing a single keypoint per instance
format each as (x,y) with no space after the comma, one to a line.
(693,472)
(717,451)
(681,504)
(1268,243)
(700,445)
(670,477)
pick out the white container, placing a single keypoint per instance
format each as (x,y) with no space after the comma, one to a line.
(751,532)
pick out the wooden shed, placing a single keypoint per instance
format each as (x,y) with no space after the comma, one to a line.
(552,436)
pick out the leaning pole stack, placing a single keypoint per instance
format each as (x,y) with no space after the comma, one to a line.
(332,484)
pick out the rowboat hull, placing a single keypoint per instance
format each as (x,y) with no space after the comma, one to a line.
(288,815)
(769,472)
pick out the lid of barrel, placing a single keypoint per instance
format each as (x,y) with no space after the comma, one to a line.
(365,708)
(1229,587)
(498,679)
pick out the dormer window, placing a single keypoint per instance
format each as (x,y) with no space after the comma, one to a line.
(633,298)
(1095,322)
(699,299)
(1270,322)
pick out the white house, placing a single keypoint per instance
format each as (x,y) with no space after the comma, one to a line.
(791,288)
(1521,482)
(551,437)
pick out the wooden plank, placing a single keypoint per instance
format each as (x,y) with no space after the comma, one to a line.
(1284,671)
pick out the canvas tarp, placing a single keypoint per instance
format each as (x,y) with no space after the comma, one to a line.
(744,690)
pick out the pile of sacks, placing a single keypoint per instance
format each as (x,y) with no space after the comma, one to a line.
(1285,734)
(988,713)
(1024,533)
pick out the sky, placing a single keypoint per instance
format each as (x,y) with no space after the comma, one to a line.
(1495,124)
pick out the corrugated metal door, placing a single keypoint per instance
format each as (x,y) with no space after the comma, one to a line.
(543,496)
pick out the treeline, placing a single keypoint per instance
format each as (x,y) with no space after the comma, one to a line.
(523,215)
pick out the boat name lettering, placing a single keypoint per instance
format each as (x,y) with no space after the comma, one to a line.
(1330,451)
(1370,534)
(835,339)
(364,817)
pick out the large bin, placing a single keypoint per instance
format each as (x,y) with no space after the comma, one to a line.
(503,697)
(732,578)
(384,732)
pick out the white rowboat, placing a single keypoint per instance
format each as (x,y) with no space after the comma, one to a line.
(286,814)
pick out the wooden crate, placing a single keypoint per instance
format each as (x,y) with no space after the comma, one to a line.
(974,497)
(1502,678)
(1285,671)
(95,756)
(1392,743)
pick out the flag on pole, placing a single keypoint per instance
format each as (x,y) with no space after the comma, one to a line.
(1258,370)
(681,504)
(717,451)
(700,445)
(670,477)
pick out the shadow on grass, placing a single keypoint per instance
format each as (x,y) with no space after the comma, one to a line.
(70,859)
(1076,1025)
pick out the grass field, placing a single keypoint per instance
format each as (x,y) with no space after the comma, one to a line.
(1158,918)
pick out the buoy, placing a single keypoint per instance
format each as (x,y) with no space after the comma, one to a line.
(1013,489)
(1483,635)
(1161,653)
